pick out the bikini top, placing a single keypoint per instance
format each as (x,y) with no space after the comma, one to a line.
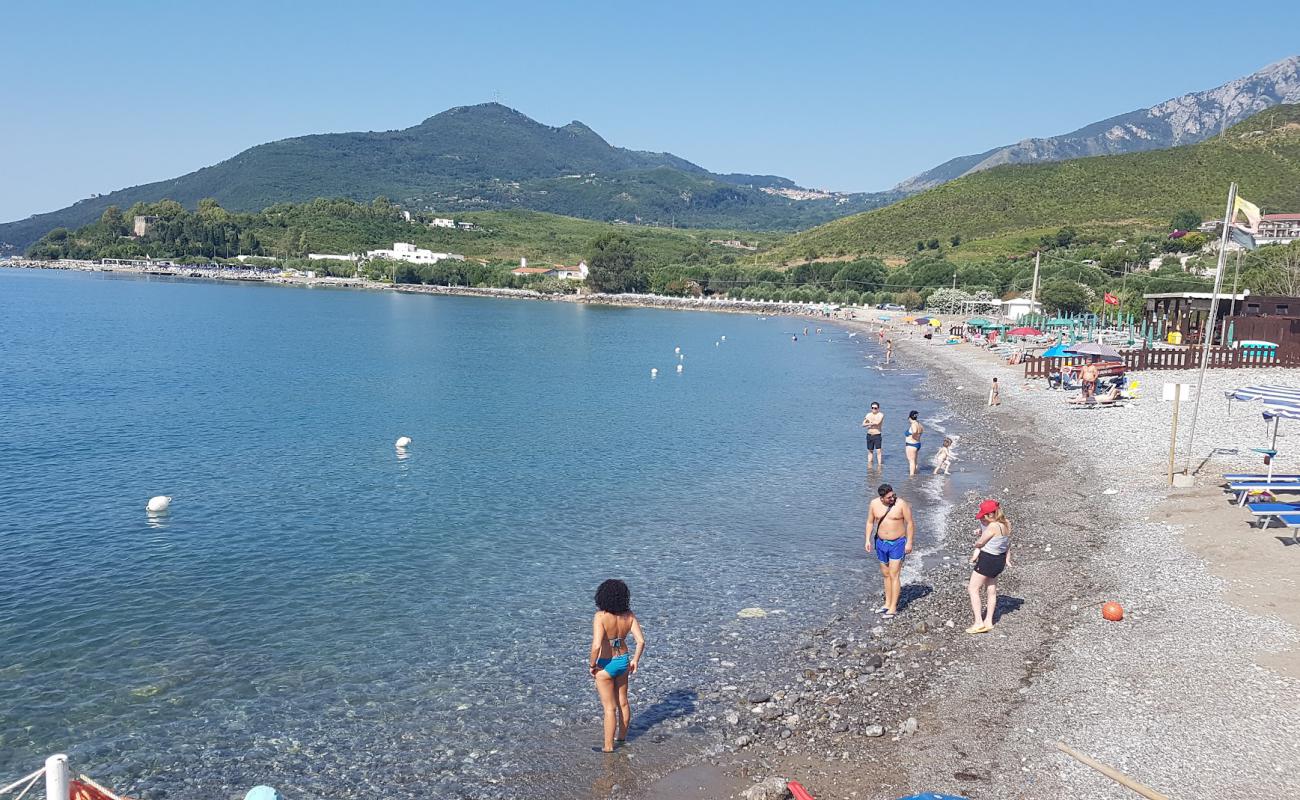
(617,644)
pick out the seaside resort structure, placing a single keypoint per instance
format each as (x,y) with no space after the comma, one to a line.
(401,251)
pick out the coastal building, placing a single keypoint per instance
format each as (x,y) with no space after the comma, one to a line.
(1278,229)
(534,272)
(578,273)
(1188,312)
(442,222)
(142,223)
(1017,307)
(405,251)
(331,257)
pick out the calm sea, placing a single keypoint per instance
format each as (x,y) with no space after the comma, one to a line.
(321,613)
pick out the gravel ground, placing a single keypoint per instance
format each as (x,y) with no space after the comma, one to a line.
(1174,695)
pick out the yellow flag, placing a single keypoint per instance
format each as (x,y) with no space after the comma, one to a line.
(1242,206)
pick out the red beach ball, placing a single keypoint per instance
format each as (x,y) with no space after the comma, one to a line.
(1113,611)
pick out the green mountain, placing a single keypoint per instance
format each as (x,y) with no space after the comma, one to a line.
(473,158)
(1119,193)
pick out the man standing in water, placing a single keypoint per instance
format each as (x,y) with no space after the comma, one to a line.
(889,536)
(889,350)
(872,423)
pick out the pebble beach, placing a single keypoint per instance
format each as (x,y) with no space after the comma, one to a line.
(1192,695)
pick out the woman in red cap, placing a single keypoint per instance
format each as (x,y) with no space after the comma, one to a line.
(992,552)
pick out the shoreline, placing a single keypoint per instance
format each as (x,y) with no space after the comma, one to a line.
(1174,702)
(1170,696)
(665,302)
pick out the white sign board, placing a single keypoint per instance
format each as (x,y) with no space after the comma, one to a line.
(1188,392)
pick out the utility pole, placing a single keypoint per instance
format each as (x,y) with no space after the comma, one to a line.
(1033,287)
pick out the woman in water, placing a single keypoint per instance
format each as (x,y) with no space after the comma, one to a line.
(611,663)
(912,442)
(991,556)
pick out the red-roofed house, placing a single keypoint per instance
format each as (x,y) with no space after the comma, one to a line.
(544,272)
(1278,229)
(578,273)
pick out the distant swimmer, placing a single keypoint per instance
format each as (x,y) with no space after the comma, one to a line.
(794,338)
(805,331)
(889,537)
(889,350)
(819,330)
(612,663)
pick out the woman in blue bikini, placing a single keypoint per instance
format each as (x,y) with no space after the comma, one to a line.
(611,662)
(912,442)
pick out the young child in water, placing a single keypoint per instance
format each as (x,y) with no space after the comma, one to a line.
(943,458)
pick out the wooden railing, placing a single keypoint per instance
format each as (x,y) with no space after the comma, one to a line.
(1165,358)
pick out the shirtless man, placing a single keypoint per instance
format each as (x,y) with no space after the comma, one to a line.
(889,536)
(889,350)
(872,423)
(1089,377)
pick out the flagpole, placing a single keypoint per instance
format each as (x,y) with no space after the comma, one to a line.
(1207,330)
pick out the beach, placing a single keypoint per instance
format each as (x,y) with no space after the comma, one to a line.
(1192,694)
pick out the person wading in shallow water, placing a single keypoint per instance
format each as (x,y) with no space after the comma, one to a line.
(872,422)
(611,662)
(912,441)
(889,537)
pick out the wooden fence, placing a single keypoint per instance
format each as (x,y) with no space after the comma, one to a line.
(1175,358)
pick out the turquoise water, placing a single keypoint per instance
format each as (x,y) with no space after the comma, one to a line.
(320,612)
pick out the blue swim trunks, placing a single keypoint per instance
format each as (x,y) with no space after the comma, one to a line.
(615,666)
(888,550)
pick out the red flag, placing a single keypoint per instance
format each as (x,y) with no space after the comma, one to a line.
(1110,299)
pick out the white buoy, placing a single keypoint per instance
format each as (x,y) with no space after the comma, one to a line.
(715,344)
(724,338)
(677,349)
(158,504)
(679,367)
(653,372)
(681,357)
(402,442)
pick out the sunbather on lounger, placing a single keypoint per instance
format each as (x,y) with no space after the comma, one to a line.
(1109,398)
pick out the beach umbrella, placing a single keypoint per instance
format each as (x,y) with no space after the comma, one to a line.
(996,326)
(1095,349)
(1057,351)
(1024,332)
(936,323)
(1276,414)
(922,320)
(1058,322)
(977,322)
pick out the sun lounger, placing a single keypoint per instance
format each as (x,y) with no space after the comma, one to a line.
(1269,511)
(1246,487)
(1292,521)
(1260,476)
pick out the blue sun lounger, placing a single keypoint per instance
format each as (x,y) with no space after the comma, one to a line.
(1288,514)
(1270,511)
(1260,476)
(1244,488)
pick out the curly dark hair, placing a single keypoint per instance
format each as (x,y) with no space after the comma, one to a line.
(613,596)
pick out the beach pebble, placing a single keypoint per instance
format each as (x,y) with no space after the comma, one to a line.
(742,742)
(769,789)
(755,697)
(909,726)
(751,613)
(874,731)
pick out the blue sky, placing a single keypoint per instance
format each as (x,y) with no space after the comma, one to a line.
(851,96)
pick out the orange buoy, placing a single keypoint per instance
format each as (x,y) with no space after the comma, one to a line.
(1113,611)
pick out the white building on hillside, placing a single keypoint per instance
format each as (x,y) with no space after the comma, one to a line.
(404,251)
(578,273)
(442,222)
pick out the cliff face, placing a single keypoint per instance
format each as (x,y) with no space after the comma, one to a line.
(1183,120)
